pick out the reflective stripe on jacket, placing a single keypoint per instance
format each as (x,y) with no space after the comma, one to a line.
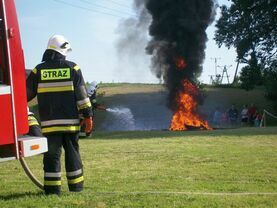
(32,121)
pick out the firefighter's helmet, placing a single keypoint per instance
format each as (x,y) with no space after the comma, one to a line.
(91,88)
(60,44)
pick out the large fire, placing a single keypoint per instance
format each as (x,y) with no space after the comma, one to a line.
(185,116)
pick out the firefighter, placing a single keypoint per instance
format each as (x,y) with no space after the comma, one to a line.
(34,127)
(61,94)
(92,92)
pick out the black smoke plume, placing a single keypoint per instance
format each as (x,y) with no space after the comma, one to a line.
(178,31)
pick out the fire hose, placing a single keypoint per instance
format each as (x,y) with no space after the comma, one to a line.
(30,174)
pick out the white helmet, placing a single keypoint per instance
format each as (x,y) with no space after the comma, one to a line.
(94,84)
(60,44)
(91,88)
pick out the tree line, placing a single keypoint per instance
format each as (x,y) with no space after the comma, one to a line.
(251,28)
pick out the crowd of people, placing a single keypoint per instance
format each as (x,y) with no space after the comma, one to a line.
(248,116)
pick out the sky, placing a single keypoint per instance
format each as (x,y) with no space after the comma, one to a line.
(91,26)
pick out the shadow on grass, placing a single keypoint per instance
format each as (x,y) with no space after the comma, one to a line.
(100,135)
(15,196)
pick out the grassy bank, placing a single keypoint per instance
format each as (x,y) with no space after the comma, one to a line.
(222,168)
(142,99)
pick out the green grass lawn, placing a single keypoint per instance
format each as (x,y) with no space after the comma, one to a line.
(221,168)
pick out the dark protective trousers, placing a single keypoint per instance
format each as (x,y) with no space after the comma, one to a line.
(52,164)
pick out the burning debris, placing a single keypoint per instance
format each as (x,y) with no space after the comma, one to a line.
(177,44)
(185,116)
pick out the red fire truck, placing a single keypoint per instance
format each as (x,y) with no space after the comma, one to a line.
(14,144)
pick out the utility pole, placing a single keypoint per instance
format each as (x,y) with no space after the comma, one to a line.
(225,71)
(215,63)
(235,76)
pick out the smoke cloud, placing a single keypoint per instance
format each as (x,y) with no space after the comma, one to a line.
(133,38)
(133,31)
(176,30)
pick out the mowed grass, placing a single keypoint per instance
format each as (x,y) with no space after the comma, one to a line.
(221,168)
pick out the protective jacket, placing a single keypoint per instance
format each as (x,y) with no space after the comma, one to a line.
(34,127)
(61,95)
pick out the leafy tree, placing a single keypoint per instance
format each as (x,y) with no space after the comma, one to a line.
(251,74)
(250,27)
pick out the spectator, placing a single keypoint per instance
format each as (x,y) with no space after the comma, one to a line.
(251,113)
(217,117)
(258,119)
(233,115)
(224,118)
(244,115)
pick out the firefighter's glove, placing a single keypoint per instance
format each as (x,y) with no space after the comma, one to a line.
(87,122)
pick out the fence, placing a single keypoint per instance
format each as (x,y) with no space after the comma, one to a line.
(263,120)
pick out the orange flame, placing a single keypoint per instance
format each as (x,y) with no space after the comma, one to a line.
(186,114)
(180,63)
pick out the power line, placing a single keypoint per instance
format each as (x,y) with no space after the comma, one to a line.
(104,7)
(87,9)
(119,4)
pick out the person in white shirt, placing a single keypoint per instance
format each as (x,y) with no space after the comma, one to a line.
(244,115)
